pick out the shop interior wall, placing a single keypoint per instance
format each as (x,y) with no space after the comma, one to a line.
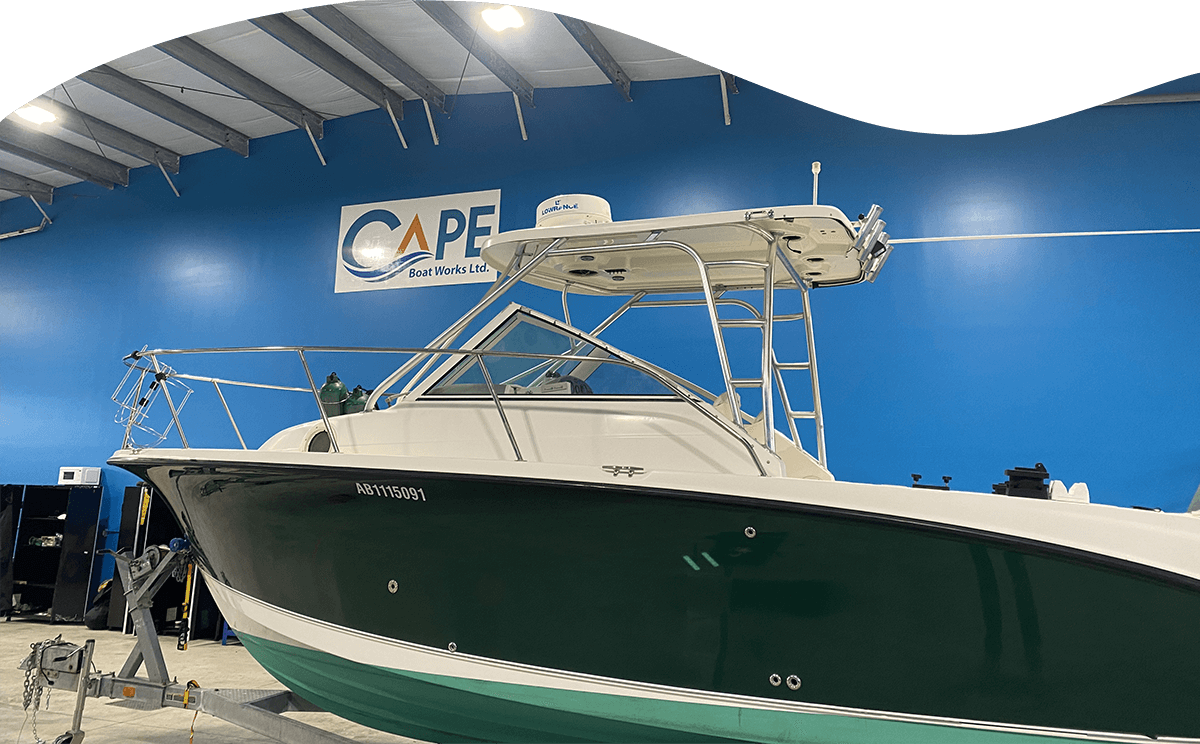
(963,359)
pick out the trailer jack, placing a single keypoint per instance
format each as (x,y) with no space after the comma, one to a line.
(57,664)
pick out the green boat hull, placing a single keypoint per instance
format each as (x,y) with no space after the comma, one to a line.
(451,709)
(668,588)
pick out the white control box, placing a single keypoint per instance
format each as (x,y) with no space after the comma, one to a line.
(79,476)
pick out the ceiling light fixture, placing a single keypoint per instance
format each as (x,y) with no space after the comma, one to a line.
(35,114)
(502,18)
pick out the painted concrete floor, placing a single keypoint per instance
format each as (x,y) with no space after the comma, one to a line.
(107,722)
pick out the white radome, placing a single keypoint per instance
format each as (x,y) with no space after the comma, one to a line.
(573,209)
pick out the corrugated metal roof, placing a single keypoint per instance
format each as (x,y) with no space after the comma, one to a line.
(542,51)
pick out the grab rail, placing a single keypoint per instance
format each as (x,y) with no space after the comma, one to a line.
(163,373)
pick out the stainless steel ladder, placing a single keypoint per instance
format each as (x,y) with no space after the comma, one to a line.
(771,369)
(778,367)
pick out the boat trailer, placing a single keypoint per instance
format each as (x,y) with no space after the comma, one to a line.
(57,664)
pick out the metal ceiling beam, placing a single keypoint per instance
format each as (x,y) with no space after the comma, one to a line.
(1155,98)
(80,123)
(26,186)
(163,106)
(53,153)
(600,55)
(211,65)
(465,35)
(354,35)
(293,36)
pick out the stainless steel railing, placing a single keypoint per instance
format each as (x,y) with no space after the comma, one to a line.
(148,366)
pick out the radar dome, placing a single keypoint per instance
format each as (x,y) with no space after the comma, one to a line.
(573,209)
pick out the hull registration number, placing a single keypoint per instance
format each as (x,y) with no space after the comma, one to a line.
(391,492)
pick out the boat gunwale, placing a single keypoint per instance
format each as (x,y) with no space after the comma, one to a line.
(1029,545)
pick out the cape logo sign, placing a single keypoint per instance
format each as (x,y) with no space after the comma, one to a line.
(416,242)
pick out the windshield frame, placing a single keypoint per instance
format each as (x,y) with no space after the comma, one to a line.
(456,366)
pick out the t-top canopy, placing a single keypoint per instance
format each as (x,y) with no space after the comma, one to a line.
(820,245)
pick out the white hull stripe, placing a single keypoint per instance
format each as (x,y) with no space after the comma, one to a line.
(257,618)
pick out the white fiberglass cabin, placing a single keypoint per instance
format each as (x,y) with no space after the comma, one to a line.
(582,407)
(530,387)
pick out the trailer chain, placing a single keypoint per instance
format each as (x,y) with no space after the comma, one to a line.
(32,694)
(179,572)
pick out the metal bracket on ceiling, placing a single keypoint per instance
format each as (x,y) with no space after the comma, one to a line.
(520,117)
(23,231)
(429,117)
(167,176)
(45,217)
(29,230)
(387,104)
(313,140)
(728,85)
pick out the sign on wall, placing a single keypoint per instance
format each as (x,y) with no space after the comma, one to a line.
(424,242)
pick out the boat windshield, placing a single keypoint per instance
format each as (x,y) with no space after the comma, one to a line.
(523,333)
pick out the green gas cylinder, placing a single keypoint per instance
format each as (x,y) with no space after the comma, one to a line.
(333,394)
(357,401)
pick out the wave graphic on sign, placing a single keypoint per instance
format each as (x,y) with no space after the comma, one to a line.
(402,262)
(382,273)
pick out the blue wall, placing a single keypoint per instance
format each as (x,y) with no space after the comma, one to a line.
(963,359)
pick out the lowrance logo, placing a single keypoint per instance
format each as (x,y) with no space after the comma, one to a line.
(558,206)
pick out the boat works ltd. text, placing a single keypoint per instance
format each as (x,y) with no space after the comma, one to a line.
(479,268)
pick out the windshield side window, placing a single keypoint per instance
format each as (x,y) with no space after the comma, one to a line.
(531,375)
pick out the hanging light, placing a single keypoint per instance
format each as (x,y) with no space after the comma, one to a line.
(35,114)
(502,18)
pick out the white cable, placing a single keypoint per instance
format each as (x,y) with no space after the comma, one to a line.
(897,241)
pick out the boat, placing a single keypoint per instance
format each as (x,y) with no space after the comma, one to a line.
(532,535)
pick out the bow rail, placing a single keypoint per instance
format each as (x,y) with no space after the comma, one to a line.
(147,375)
